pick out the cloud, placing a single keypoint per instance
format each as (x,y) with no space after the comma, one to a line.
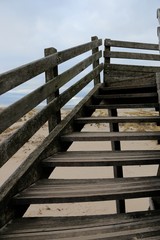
(27,26)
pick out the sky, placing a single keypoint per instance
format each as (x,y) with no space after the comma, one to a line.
(29,26)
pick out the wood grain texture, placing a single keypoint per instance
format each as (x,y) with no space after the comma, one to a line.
(83,190)
(129,55)
(17,76)
(121,106)
(138,225)
(121,119)
(136,68)
(137,45)
(102,158)
(110,136)
(11,114)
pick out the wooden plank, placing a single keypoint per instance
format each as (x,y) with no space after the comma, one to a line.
(96,62)
(137,45)
(121,119)
(82,190)
(110,136)
(158,14)
(121,106)
(44,224)
(136,68)
(26,170)
(130,55)
(17,76)
(101,158)
(125,95)
(119,88)
(11,114)
(49,75)
(86,227)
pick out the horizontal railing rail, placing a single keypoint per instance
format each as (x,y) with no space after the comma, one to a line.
(15,77)
(136,45)
(130,70)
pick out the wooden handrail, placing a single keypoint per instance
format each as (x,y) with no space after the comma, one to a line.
(135,45)
(53,83)
(11,114)
(7,148)
(15,77)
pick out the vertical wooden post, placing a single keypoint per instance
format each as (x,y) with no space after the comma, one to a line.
(114,127)
(95,63)
(107,44)
(49,75)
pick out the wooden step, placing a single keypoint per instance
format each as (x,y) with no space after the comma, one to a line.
(126,119)
(129,89)
(121,106)
(138,225)
(125,96)
(110,136)
(84,190)
(102,158)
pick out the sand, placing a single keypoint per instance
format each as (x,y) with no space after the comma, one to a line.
(70,209)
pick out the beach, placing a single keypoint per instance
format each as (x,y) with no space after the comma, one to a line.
(73,209)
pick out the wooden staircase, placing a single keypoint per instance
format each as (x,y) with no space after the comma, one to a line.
(118,188)
(136,225)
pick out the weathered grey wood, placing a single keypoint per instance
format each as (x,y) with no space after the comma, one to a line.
(7,148)
(107,60)
(96,62)
(136,68)
(110,136)
(49,75)
(16,181)
(101,158)
(121,106)
(130,55)
(137,45)
(158,85)
(123,226)
(158,14)
(82,190)
(15,77)
(158,34)
(11,114)
(121,119)
(145,88)
(125,95)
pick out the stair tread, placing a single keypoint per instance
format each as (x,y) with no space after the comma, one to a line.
(137,225)
(125,95)
(102,158)
(108,136)
(120,119)
(84,190)
(121,106)
(121,88)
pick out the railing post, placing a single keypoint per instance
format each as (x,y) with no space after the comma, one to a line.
(96,63)
(107,60)
(49,75)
